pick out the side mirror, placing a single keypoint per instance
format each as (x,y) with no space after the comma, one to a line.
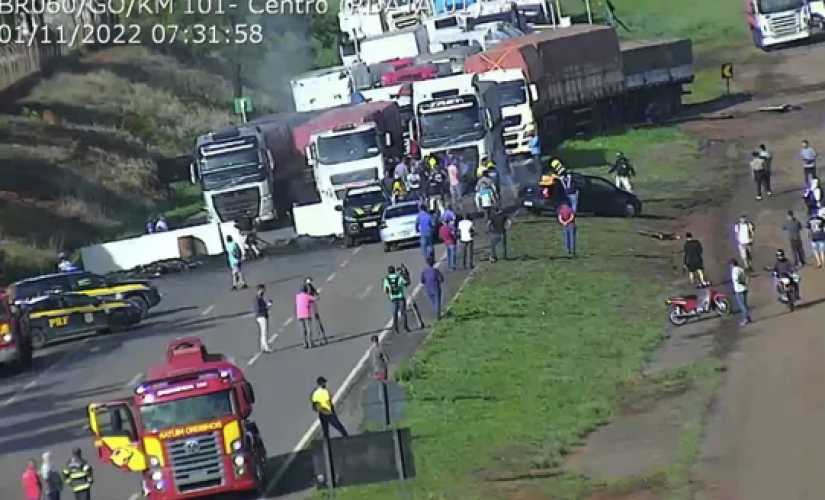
(193,173)
(339,208)
(387,139)
(248,392)
(534,92)
(488,118)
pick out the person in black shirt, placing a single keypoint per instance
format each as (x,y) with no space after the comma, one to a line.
(694,262)
(498,224)
(782,267)
(624,171)
(246,226)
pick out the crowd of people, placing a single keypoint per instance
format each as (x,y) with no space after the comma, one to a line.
(44,482)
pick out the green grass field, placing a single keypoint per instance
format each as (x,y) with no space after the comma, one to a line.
(536,350)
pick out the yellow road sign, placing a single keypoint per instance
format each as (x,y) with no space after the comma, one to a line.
(727,71)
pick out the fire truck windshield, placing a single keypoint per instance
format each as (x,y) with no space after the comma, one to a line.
(186,411)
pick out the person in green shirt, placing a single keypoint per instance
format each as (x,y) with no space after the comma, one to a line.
(394,286)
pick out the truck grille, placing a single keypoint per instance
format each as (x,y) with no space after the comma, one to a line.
(511,121)
(233,204)
(197,462)
(404,20)
(784,25)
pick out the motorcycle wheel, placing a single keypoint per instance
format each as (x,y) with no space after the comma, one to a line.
(723,307)
(676,315)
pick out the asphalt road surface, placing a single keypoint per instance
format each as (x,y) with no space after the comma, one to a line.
(46,409)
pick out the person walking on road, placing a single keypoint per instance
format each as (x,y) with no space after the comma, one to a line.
(768,157)
(30,481)
(261,309)
(52,483)
(432,279)
(466,233)
(739,279)
(303,313)
(498,225)
(424,224)
(744,232)
(694,261)
(759,171)
(234,256)
(623,171)
(447,234)
(816,226)
(793,230)
(808,155)
(322,405)
(317,294)
(567,219)
(394,286)
(380,360)
(78,475)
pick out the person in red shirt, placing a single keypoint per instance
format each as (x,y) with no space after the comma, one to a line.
(567,218)
(447,234)
(32,487)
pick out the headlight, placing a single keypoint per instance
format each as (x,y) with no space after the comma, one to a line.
(157,476)
(236,445)
(239,461)
(7,338)
(154,461)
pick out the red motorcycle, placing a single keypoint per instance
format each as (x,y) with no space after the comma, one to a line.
(681,309)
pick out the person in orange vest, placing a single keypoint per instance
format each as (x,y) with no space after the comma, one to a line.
(549,175)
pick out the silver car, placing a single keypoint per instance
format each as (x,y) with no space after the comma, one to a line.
(398,224)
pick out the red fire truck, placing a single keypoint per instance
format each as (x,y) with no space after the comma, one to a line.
(187,429)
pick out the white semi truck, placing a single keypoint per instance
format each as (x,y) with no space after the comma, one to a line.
(778,22)
(516,96)
(460,114)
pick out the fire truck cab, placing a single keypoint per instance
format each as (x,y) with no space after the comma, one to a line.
(187,429)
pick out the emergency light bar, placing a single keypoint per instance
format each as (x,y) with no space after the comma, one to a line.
(171,386)
(344,127)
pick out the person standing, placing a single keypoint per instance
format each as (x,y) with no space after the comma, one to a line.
(52,483)
(808,156)
(30,481)
(432,279)
(394,286)
(322,405)
(260,307)
(78,475)
(814,196)
(447,234)
(234,256)
(571,189)
(739,279)
(380,361)
(466,233)
(623,171)
(498,225)
(317,294)
(694,261)
(793,230)
(759,171)
(744,232)
(424,225)
(303,313)
(454,178)
(816,226)
(401,169)
(567,219)
(768,157)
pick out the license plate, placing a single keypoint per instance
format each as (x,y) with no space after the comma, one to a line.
(404,234)
(528,203)
(370,224)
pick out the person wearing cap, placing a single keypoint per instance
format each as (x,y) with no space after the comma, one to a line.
(78,475)
(322,405)
(623,171)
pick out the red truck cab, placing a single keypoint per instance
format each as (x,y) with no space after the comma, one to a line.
(187,429)
(15,337)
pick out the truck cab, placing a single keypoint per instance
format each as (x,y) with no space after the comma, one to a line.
(777,22)
(234,170)
(187,429)
(516,97)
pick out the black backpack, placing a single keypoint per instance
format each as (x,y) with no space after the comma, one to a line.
(395,284)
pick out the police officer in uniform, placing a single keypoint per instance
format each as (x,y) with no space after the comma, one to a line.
(78,475)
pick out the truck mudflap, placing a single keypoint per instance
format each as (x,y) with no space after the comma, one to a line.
(318,220)
(116,435)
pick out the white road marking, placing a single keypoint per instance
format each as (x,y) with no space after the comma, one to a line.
(94,349)
(365,293)
(287,322)
(331,277)
(48,370)
(357,249)
(208,310)
(134,496)
(254,359)
(134,381)
(345,263)
(345,386)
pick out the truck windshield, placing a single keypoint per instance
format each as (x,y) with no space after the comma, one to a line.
(186,411)
(512,93)
(450,124)
(333,150)
(230,169)
(364,175)
(774,6)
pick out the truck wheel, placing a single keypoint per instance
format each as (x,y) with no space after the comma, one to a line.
(349,241)
(119,322)
(141,303)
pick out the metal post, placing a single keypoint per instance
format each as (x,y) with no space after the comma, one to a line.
(589,12)
(558,11)
(727,86)
(396,436)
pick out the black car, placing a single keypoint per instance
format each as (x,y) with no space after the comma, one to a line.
(142,293)
(362,209)
(597,196)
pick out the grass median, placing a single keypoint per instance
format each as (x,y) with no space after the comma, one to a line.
(536,350)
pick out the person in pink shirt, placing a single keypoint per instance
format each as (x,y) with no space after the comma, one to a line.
(32,486)
(567,218)
(304,313)
(454,178)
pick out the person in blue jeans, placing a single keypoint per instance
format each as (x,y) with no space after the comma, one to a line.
(447,234)
(567,218)
(739,279)
(432,279)
(424,224)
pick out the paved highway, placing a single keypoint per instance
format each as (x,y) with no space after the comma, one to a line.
(45,409)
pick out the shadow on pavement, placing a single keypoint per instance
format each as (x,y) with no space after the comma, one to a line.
(301,475)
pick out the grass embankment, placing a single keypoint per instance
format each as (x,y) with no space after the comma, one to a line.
(538,351)
(78,160)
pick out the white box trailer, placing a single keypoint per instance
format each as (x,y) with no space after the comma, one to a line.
(397,45)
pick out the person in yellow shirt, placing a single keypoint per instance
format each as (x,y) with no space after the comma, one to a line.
(322,405)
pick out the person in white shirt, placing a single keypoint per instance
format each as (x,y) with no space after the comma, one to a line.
(466,232)
(739,279)
(744,232)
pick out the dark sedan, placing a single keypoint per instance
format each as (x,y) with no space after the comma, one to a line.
(597,196)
